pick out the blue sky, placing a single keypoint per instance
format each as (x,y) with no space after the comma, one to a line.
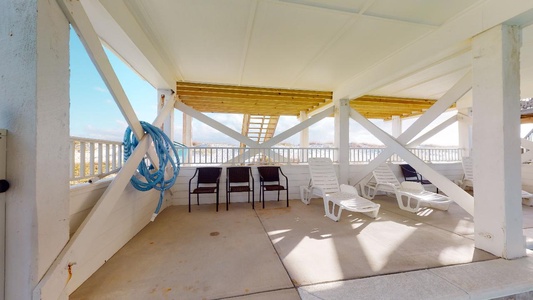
(94,114)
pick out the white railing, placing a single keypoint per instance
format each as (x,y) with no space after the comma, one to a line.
(364,155)
(91,158)
(234,155)
(228,155)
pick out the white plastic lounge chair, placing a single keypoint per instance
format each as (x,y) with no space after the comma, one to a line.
(468,180)
(527,198)
(411,196)
(324,184)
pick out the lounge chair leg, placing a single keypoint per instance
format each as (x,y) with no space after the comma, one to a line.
(407,206)
(330,211)
(367,191)
(373,214)
(304,195)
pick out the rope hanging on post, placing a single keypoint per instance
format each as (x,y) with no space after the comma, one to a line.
(153,178)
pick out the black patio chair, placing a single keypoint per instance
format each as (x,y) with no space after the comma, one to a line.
(238,180)
(269,179)
(207,183)
(410,174)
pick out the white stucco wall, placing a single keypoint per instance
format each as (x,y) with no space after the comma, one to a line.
(34,108)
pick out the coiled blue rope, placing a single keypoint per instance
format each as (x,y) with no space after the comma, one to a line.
(153,179)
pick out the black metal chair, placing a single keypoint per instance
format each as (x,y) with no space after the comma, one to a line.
(410,174)
(238,180)
(269,180)
(207,183)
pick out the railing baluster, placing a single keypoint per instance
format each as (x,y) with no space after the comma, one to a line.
(100,162)
(91,158)
(82,159)
(72,158)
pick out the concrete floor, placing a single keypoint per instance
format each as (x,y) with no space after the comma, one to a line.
(297,253)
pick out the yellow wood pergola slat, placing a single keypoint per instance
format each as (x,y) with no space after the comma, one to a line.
(190,86)
(216,98)
(249,100)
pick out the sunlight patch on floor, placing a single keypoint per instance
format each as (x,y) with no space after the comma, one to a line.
(395,236)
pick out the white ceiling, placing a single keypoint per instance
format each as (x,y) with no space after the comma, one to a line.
(400,48)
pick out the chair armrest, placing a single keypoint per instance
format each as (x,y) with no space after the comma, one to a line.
(286,179)
(190,180)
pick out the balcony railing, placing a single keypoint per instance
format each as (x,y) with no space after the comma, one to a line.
(92,158)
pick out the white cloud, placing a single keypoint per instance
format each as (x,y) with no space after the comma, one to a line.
(101,89)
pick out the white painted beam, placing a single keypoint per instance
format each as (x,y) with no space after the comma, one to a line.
(187,130)
(396,126)
(288,133)
(77,17)
(451,39)
(455,93)
(119,29)
(34,84)
(432,132)
(342,138)
(215,124)
(464,128)
(54,283)
(496,142)
(297,128)
(304,134)
(465,200)
(164,96)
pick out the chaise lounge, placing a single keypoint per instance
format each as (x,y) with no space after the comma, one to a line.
(411,196)
(324,184)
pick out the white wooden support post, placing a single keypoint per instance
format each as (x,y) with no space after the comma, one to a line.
(187,130)
(304,137)
(34,84)
(165,95)
(496,141)
(304,134)
(465,130)
(396,126)
(342,138)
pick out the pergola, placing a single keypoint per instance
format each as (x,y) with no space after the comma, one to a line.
(373,58)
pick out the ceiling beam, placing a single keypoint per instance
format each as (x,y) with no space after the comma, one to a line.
(236,89)
(131,42)
(446,42)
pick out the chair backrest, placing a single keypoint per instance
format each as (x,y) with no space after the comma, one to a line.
(269,173)
(323,174)
(383,174)
(209,174)
(468,168)
(238,174)
(409,173)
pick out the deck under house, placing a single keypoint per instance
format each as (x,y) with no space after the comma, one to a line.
(353,61)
